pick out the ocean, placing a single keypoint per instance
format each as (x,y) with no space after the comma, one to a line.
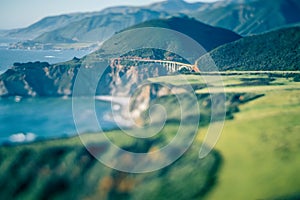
(9,56)
(28,119)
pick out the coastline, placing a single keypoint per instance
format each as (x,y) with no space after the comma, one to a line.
(53,120)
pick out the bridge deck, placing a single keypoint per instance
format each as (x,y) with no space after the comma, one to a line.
(193,67)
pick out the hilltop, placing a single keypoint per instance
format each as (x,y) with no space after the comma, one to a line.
(276,50)
(208,37)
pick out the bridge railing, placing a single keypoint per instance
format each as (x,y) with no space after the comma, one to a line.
(174,65)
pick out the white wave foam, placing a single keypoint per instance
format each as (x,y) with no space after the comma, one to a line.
(21,137)
(49,56)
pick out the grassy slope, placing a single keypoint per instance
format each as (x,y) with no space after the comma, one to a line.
(276,50)
(261,148)
(63,169)
(208,37)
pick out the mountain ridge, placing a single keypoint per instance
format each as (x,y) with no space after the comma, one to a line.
(207,36)
(252,17)
(273,51)
(245,17)
(42,79)
(90,29)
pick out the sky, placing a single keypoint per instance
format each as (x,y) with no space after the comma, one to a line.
(22,13)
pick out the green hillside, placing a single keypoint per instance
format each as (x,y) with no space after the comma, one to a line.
(276,50)
(207,36)
(259,143)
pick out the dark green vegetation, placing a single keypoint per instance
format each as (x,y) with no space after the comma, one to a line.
(207,36)
(64,169)
(181,35)
(154,54)
(297,78)
(277,50)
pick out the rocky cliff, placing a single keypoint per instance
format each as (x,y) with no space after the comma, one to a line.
(39,79)
(150,94)
(119,78)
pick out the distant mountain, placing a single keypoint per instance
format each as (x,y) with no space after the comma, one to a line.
(93,26)
(59,23)
(248,17)
(245,17)
(207,36)
(47,24)
(276,50)
(176,6)
(99,27)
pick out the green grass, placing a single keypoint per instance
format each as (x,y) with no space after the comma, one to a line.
(261,148)
(261,145)
(256,157)
(63,169)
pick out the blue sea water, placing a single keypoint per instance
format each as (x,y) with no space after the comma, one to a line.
(25,119)
(9,56)
(47,118)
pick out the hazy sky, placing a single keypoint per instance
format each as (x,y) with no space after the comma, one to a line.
(21,13)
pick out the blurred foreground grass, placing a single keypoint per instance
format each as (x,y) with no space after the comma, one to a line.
(63,169)
(261,146)
(257,156)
